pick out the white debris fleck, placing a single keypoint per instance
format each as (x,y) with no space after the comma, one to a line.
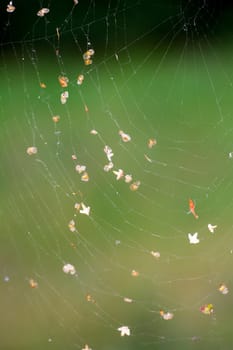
(86,347)
(211,228)
(128,300)
(42,12)
(31,150)
(80,79)
(80,168)
(69,269)
(94,132)
(124,330)
(85,210)
(166,315)
(108,166)
(155,254)
(193,238)
(119,173)
(64,97)
(128,178)
(108,152)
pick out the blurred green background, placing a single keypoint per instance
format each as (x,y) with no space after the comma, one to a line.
(160,71)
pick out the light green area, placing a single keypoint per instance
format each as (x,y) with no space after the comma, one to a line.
(182,99)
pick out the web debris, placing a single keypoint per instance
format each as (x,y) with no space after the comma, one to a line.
(124,330)
(193,239)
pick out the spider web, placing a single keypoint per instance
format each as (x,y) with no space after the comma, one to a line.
(158,96)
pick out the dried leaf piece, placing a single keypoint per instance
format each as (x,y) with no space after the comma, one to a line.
(56,118)
(63,81)
(33,283)
(10,7)
(134,273)
(90,52)
(71,226)
(89,298)
(85,177)
(223,289)
(207,309)
(87,62)
(151,143)
(125,137)
(43,85)
(135,185)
